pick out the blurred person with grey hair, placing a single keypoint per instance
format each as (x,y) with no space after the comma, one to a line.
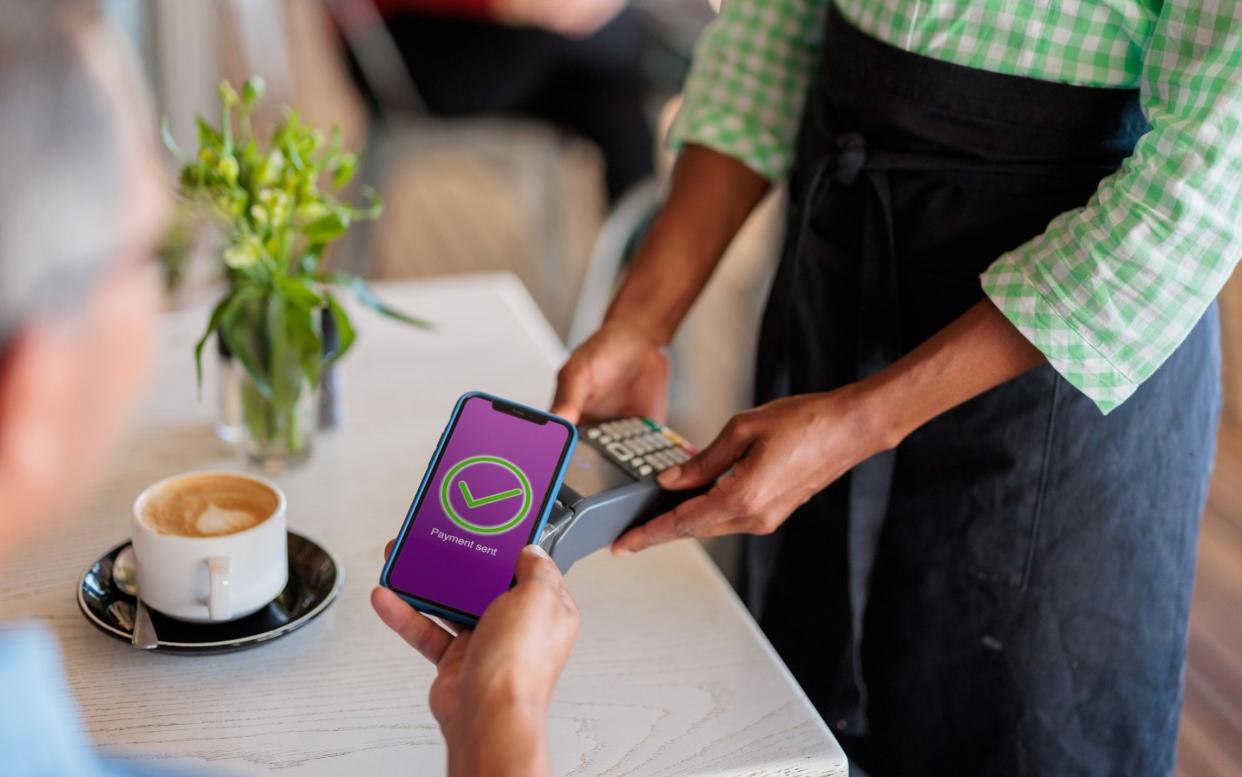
(82,202)
(81,206)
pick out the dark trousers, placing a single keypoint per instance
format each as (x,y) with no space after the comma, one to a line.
(1007,592)
(592,87)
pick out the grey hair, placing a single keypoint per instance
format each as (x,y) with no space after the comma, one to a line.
(61,163)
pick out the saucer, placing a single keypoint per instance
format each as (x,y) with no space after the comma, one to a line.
(315,578)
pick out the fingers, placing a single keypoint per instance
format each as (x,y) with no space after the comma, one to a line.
(713,461)
(695,517)
(388,548)
(573,388)
(422,634)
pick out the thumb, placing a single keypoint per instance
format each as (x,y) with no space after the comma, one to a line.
(712,462)
(572,390)
(535,566)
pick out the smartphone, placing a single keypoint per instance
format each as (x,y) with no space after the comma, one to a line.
(486,494)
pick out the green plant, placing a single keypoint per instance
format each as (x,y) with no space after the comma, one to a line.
(279,205)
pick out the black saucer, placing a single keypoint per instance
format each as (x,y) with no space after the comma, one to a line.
(315,578)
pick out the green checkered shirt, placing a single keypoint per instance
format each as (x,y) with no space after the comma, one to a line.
(1110,289)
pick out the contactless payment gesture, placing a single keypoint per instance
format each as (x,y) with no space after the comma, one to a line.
(486,494)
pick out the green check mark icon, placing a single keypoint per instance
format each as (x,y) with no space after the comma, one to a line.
(523,490)
(472,502)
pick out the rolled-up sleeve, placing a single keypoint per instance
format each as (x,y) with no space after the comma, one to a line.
(1111,289)
(745,91)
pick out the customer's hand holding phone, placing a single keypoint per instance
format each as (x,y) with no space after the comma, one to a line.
(494,683)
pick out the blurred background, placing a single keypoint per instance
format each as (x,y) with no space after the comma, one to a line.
(526,136)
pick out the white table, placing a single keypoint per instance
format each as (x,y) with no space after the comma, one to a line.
(670,676)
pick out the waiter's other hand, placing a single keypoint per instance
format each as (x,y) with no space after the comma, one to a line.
(618,371)
(494,683)
(776,457)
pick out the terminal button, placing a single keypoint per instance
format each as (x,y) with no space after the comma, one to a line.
(621,452)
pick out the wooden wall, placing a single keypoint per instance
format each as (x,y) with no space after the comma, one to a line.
(1231,348)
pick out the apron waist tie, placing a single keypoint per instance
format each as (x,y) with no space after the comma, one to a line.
(878,345)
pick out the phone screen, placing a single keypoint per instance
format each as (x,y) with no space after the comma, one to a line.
(485,498)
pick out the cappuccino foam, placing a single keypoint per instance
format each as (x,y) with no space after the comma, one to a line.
(208,506)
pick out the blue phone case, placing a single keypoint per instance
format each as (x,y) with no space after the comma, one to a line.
(428,607)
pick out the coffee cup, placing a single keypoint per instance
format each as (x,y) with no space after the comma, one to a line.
(210,546)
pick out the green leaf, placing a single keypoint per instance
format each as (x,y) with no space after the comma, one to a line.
(169,143)
(245,334)
(312,141)
(302,330)
(301,313)
(367,297)
(345,332)
(295,347)
(208,136)
(334,147)
(251,160)
(291,153)
(298,292)
(327,228)
(213,322)
(311,211)
(222,310)
(344,169)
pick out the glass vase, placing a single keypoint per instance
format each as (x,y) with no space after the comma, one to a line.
(276,436)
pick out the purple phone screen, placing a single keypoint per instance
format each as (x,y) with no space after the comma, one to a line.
(480,507)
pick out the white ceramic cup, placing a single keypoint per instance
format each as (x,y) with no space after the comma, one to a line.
(210,579)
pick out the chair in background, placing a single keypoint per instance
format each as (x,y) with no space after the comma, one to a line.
(460,195)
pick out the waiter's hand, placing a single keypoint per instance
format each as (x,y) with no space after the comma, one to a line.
(494,683)
(776,457)
(618,371)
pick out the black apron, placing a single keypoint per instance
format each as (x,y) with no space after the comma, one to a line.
(1006,592)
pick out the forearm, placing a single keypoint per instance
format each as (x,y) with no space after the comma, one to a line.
(977,351)
(510,742)
(1111,289)
(710,197)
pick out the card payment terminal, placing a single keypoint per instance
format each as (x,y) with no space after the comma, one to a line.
(610,485)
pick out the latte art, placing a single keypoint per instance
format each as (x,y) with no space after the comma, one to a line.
(208,506)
